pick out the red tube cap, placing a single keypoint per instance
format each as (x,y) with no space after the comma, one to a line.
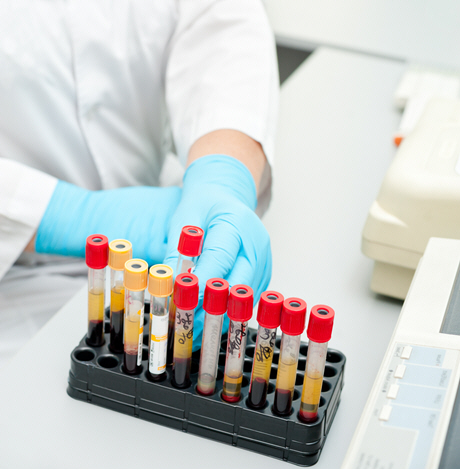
(191,241)
(269,311)
(240,303)
(293,316)
(97,251)
(186,291)
(216,296)
(320,324)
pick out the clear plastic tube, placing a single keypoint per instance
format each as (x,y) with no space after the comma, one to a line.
(96,306)
(261,366)
(159,315)
(133,331)
(209,358)
(183,342)
(287,371)
(236,347)
(313,381)
(117,310)
(184,264)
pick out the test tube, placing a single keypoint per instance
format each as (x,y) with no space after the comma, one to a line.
(120,251)
(319,333)
(292,325)
(189,248)
(269,318)
(160,289)
(135,283)
(240,305)
(215,305)
(97,253)
(186,298)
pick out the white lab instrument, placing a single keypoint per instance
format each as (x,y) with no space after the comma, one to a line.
(419,198)
(412,416)
(422,80)
(417,87)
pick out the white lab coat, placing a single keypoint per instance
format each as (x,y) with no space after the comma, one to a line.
(94,92)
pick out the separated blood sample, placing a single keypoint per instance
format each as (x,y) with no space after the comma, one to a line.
(319,333)
(186,298)
(269,318)
(292,325)
(215,305)
(160,289)
(240,305)
(135,283)
(189,248)
(120,251)
(97,253)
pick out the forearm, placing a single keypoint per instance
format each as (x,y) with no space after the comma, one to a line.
(31,245)
(235,144)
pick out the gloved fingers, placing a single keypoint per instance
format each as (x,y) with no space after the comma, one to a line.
(152,229)
(263,276)
(263,270)
(255,272)
(242,272)
(154,254)
(220,249)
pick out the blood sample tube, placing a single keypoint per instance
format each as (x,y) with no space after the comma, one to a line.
(292,325)
(319,333)
(135,283)
(160,289)
(269,318)
(97,253)
(240,305)
(120,251)
(215,305)
(189,248)
(186,298)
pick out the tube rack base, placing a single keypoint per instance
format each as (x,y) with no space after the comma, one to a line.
(96,376)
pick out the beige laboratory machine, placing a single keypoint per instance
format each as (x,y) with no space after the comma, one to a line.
(419,198)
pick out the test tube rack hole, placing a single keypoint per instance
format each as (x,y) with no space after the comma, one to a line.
(96,376)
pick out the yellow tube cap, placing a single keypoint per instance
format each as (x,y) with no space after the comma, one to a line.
(120,251)
(160,280)
(135,275)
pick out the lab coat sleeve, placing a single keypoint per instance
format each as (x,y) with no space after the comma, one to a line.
(24,196)
(222,73)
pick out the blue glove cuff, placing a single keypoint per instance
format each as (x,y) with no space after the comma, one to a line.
(222,171)
(65,198)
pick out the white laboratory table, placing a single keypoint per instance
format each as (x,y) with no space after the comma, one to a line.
(420,31)
(334,146)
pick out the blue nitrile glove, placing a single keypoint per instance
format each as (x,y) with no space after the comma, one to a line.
(219,195)
(140,214)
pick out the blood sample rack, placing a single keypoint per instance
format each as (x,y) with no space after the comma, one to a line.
(96,376)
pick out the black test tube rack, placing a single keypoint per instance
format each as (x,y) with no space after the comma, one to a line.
(96,376)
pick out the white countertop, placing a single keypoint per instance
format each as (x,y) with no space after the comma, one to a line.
(419,31)
(334,146)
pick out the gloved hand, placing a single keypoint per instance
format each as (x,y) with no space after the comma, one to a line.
(219,195)
(140,214)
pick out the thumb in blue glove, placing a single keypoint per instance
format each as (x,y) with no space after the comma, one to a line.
(140,214)
(219,196)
